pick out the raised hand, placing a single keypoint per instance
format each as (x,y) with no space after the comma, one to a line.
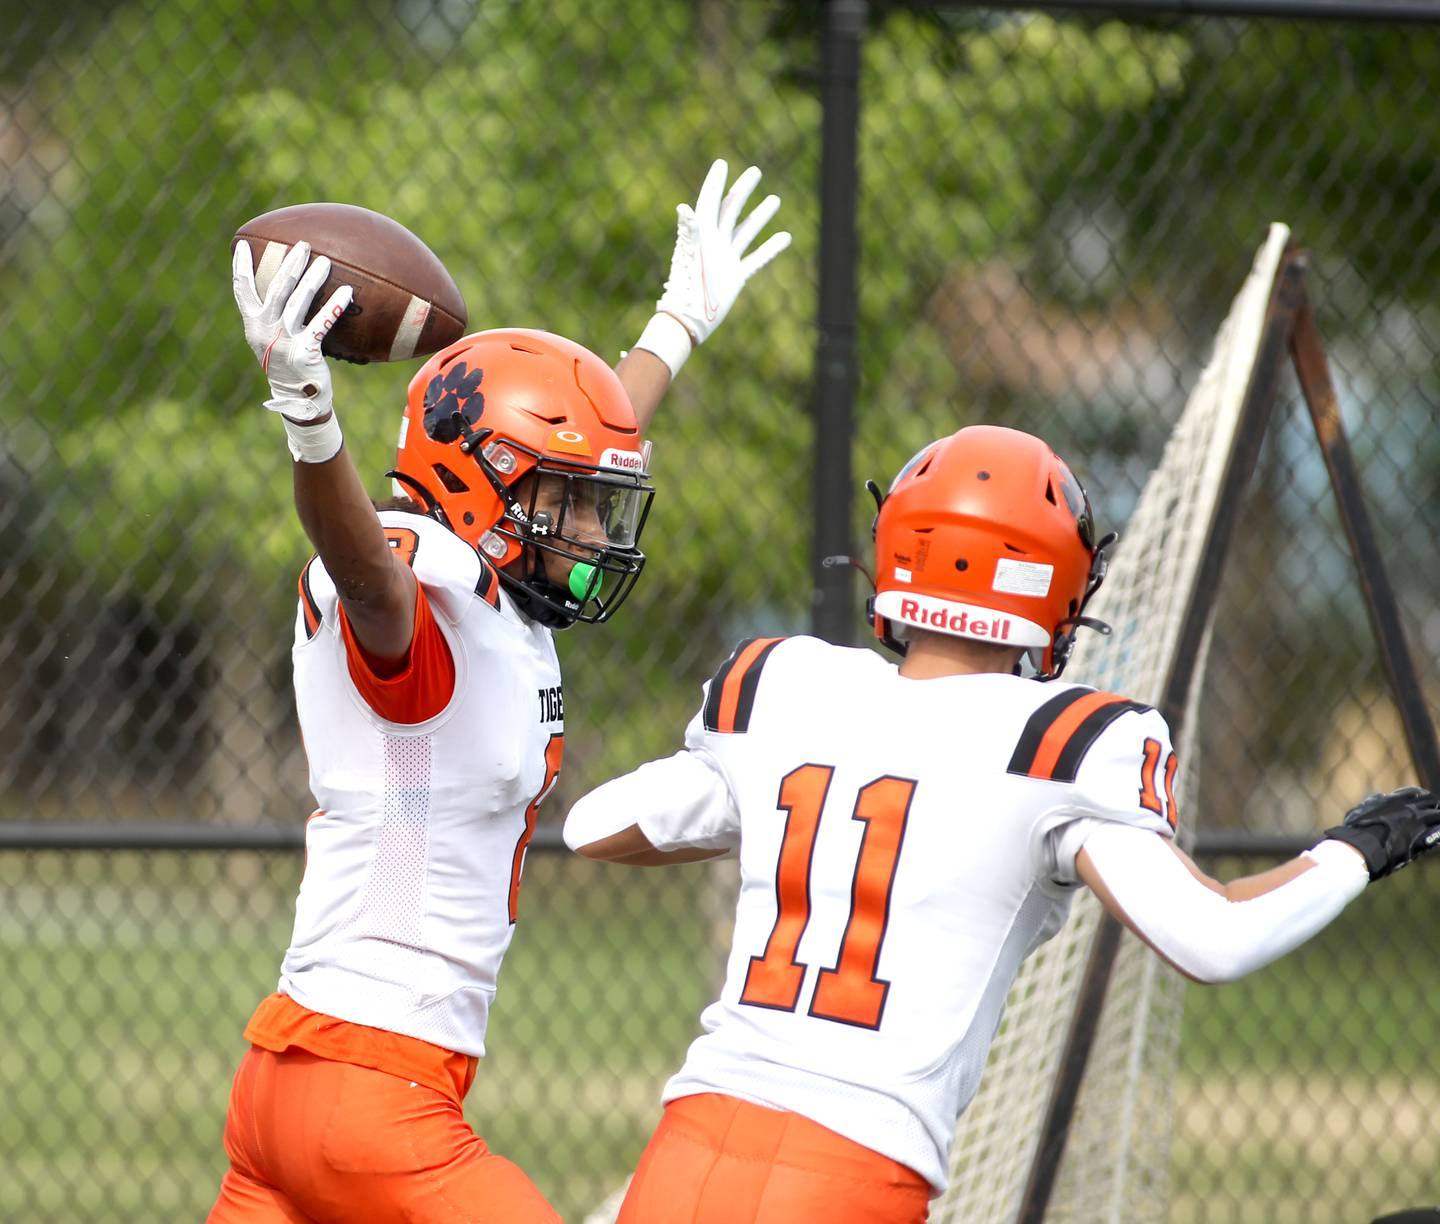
(711,263)
(284,340)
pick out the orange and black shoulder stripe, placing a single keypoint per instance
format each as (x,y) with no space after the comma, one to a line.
(307,602)
(732,688)
(1063,730)
(488,585)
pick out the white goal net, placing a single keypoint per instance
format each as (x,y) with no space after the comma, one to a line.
(1116,1159)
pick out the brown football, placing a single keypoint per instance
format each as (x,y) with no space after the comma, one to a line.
(406,304)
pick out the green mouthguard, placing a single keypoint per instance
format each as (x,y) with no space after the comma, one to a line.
(585,581)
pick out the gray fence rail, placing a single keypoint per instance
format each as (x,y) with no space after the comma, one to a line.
(54,835)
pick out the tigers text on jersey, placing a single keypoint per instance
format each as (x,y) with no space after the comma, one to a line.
(413,860)
(904,844)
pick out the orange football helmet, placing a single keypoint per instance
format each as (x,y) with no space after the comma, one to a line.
(496,406)
(987,534)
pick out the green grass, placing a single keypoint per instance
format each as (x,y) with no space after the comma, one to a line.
(1315,1080)
(1363,996)
(125,981)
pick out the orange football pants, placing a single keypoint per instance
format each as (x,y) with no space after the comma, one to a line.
(719,1160)
(311,1139)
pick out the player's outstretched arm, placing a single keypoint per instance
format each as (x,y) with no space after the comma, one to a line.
(376,589)
(1215,932)
(676,810)
(710,265)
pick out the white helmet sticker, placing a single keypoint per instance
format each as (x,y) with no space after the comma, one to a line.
(959,619)
(1023,578)
(623,460)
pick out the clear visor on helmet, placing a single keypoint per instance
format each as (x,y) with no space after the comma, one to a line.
(578,529)
(618,509)
(585,508)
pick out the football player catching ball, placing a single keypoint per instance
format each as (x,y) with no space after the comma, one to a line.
(908,834)
(422,639)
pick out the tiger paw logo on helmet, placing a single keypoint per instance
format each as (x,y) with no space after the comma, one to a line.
(453,400)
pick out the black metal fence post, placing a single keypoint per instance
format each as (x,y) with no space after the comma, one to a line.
(833,607)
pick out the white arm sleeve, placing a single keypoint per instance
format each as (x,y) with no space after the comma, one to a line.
(681,801)
(1199,931)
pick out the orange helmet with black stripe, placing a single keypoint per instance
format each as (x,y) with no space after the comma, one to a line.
(987,534)
(497,407)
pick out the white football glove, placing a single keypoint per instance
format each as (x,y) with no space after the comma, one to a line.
(710,265)
(287,345)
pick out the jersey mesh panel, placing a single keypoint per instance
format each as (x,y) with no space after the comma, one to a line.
(393,908)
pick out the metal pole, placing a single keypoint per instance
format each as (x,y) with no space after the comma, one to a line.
(833,605)
(1421,12)
(1386,623)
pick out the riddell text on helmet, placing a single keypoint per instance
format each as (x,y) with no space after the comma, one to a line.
(954,622)
(627,461)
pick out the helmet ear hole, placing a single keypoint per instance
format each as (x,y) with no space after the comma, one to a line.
(1050,493)
(452,482)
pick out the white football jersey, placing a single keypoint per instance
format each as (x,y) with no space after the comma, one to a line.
(903,844)
(413,860)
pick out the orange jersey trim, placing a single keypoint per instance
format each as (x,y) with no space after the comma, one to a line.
(1060,733)
(487,586)
(281,1024)
(307,602)
(423,687)
(1053,742)
(732,691)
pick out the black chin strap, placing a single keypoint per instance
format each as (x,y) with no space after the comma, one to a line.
(538,600)
(1064,642)
(874,490)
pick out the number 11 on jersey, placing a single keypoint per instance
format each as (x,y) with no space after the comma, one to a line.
(849,992)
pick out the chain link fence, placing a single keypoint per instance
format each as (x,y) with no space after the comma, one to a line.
(1053,213)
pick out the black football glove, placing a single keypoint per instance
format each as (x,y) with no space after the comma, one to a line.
(1392,830)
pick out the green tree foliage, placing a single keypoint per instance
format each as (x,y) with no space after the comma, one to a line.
(540,156)
(960,125)
(1319,125)
(1311,123)
(539,150)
